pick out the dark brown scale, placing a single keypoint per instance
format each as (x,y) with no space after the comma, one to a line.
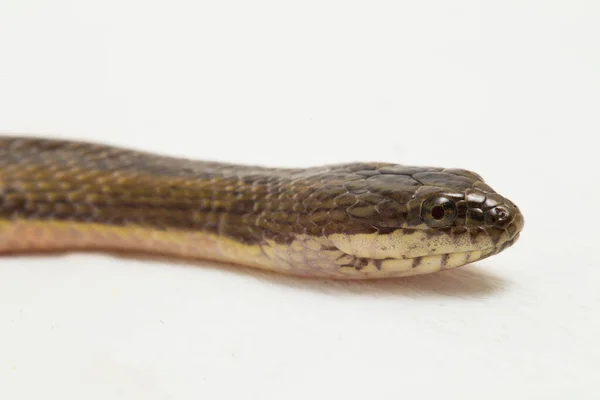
(457,182)
(416,262)
(444,260)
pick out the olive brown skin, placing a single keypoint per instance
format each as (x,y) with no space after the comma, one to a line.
(355,221)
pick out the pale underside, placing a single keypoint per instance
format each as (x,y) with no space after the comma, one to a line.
(337,256)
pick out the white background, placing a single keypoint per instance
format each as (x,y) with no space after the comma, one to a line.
(509,89)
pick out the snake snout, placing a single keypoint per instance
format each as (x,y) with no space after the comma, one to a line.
(516,222)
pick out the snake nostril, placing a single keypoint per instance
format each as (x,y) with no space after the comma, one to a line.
(501,213)
(498,216)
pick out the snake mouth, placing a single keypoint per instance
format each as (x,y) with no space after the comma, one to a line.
(478,255)
(506,244)
(418,265)
(399,267)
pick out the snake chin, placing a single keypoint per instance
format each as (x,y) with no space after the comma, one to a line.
(401,267)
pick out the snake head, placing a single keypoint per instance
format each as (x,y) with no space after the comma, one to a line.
(427,219)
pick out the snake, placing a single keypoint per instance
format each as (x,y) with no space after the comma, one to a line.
(360,220)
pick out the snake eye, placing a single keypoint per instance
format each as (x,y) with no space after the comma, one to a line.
(438,211)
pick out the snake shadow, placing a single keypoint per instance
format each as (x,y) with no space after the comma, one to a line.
(467,281)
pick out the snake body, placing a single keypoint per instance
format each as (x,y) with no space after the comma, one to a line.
(349,221)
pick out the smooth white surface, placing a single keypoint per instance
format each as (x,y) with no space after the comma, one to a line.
(509,89)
